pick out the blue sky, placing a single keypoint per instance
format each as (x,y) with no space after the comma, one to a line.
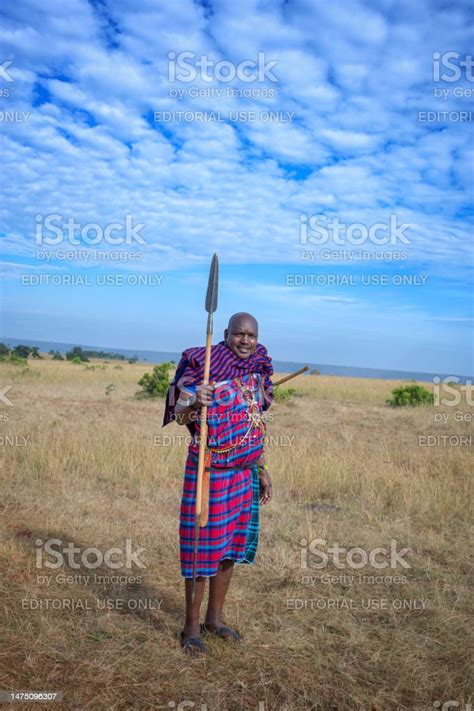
(350,112)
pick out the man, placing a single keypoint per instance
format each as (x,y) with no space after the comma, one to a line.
(240,390)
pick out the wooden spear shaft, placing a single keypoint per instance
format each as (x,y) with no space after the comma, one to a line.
(211,306)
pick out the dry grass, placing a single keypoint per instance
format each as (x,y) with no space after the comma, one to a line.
(92,473)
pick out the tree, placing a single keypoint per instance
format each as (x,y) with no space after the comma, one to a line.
(57,356)
(77,354)
(35,353)
(22,351)
(4,351)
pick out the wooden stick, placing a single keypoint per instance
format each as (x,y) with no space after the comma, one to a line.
(203,432)
(292,375)
(201,460)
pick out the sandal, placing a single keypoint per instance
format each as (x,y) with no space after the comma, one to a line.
(192,645)
(223,632)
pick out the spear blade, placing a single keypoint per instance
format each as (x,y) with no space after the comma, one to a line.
(212,286)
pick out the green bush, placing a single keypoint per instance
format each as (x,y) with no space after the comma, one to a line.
(411,395)
(155,384)
(16,359)
(283,394)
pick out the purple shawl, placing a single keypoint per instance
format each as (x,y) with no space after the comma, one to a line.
(225,365)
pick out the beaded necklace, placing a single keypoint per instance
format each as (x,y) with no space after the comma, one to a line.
(253,414)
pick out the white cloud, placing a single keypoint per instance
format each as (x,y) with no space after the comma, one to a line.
(354,77)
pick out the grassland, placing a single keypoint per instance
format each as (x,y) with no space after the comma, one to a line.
(92,468)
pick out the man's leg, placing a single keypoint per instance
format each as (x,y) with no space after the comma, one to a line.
(218,586)
(191,625)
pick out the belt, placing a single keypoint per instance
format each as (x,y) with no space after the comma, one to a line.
(250,465)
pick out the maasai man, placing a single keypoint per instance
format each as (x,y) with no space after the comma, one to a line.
(240,390)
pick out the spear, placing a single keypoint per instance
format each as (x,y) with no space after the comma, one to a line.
(200,517)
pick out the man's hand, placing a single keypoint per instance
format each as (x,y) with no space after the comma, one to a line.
(205,394)
(266,489)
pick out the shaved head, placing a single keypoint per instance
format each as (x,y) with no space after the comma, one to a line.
(241,335)
(235,320)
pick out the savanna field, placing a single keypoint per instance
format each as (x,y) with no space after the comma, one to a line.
(89,464)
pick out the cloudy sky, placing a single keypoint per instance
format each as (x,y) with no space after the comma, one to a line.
(321,148)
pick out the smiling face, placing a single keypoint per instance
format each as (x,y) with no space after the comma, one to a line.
(241,335)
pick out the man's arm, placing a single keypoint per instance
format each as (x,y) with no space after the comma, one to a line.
(187,409)
(266,488)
